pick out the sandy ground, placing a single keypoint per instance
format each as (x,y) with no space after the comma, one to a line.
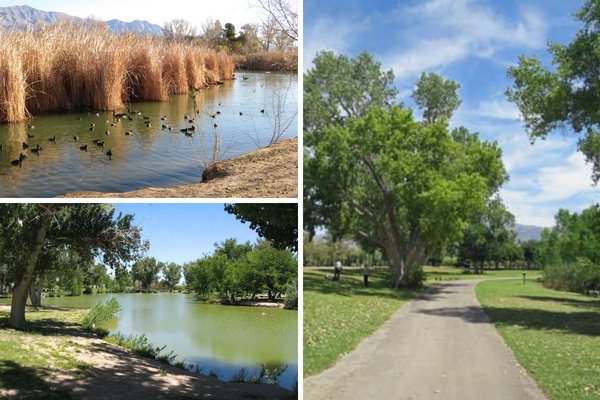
(271,172)
(117,373)
(439,346)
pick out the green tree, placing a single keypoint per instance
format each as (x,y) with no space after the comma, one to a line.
(92,230)
(531,253)
(278,223)
(233,250)
(145,271)
(489,236)
(566,96)
(402,186)
(172,274)
(273,269)
(199,277)
(436,96)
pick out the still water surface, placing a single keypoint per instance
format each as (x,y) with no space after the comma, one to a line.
(216,338)
(150,156)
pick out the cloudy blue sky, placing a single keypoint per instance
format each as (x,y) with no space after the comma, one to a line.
(472,42)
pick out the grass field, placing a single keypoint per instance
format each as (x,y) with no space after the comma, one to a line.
(554,335)
(440,274)
(28,358)
(338,315)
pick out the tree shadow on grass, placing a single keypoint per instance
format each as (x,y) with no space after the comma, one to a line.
(19,382)
(351,284)
(582,323)
(590,304)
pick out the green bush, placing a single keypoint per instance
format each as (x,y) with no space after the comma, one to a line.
(101,313)
(291,296)
(140,345)
(581,276)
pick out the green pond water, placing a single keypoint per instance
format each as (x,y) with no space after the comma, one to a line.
(150,156)
(215,338)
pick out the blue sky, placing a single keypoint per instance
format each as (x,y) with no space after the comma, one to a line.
(238,12)
(472,42)
(184,232)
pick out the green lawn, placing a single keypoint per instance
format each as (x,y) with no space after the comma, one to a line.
(339,314)
(437,274)
(28,357)
(554,335)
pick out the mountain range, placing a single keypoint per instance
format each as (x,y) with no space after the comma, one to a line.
(528,232)
(20,17)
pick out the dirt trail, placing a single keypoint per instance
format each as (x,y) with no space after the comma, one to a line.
(439,346)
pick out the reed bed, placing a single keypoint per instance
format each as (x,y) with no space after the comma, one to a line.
(271,61)
(71,66)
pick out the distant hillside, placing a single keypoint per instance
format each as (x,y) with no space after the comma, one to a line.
(528,232)
(21,17)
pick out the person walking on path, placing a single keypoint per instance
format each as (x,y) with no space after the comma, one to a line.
(366,273)
(337,270)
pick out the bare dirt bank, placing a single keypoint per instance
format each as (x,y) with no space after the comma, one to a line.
(271,172)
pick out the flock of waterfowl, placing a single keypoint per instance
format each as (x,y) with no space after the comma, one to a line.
(189,129)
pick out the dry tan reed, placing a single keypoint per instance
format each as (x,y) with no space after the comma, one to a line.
(271,61)
(81,66)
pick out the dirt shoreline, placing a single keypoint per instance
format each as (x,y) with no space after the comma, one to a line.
(271,172)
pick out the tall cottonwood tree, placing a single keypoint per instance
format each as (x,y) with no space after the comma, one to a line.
(28,230)
(375,173)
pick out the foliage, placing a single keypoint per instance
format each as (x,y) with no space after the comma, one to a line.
(240,270)
(373,172)
(277,223)
(566,96)
(490,236)
(403,187)
(101,313)
(139,345)
(339,314)
(89,230)
(579,276)
(436,96)
(172,274)
(554,335)
(291,295)
(145,271)
(570,251)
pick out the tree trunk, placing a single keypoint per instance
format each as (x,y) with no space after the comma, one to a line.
(19,299)
(35,291)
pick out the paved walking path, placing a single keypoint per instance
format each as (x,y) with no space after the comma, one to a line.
(439,346)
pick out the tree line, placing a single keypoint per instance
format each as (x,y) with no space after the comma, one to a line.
(277,31)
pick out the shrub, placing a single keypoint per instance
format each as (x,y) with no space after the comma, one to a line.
(291,296)
(581,276)
(139,345)
(101,313)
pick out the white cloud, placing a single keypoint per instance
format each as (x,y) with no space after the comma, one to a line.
(462,28)
(535,194)
(497,109)
(327,34)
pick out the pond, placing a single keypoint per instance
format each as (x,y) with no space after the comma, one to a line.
(217,339)
(243,114)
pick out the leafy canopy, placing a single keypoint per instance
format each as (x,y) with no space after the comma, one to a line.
(567,96)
